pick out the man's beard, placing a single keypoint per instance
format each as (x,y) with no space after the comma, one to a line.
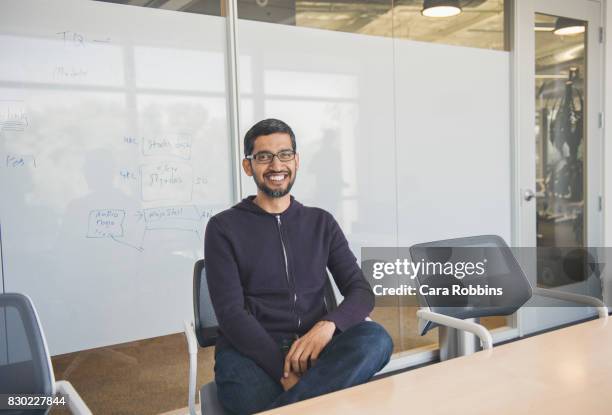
(275,193)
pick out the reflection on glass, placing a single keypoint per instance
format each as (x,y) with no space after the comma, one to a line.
(209,7)
(560,144)
(358,16)
(100,106)
(480,23)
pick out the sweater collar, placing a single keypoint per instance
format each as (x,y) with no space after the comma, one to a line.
(248,204)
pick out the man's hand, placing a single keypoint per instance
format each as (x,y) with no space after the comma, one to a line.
(289,381)
(308,347)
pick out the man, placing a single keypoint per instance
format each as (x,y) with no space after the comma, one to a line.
(266,261)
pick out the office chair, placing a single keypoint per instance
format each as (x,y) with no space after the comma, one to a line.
(203,332)
(25,364)
(457,315)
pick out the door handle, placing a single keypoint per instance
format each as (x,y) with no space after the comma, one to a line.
(528,194)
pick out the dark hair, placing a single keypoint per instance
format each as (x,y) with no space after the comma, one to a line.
(266,127)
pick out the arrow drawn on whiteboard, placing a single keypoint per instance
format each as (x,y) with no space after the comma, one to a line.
(139,215)
(138,248)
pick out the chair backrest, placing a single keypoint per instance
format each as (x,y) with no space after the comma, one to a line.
(25,366)
(502,270)
(206,324)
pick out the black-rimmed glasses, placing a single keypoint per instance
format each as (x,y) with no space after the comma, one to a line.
(266,157)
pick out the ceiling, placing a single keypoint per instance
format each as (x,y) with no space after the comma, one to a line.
(481,24)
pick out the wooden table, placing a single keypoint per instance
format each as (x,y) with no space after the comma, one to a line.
(566,371)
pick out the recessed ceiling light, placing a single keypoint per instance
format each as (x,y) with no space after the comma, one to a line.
(540,27)
(566,26)
(441,8)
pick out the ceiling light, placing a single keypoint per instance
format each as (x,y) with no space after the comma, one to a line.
(566,26)
(441,8)
(539,27)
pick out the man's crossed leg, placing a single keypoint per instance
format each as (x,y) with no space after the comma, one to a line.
(350,358)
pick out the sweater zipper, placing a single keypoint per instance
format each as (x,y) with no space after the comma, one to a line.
(280,234)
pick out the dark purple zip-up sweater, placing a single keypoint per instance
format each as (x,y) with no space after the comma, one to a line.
(266,275)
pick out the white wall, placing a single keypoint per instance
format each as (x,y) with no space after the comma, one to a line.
(453,142)
(336,91)
(403,141)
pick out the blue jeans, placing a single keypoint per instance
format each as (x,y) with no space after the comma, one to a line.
(350,358)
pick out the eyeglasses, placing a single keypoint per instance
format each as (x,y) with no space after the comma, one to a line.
(265,157)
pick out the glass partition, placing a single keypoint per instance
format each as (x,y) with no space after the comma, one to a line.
(116,151)
(480,24)
(560,141)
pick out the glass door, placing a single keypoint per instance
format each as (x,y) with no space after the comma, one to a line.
(562,155)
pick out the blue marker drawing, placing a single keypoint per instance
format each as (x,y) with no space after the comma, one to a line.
(166,181)
(13,116)
(16,161)
(106,223)
(138,248)
(169,144)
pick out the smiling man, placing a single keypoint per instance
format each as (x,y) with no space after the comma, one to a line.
(266,262)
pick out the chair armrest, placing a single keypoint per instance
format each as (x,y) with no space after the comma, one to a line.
(477,329)
(75,403)
(192,342)
(192,348)
(602,310)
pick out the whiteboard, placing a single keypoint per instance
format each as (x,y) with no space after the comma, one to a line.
(336,92)
(403,141)
(453,142)
(114,152)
